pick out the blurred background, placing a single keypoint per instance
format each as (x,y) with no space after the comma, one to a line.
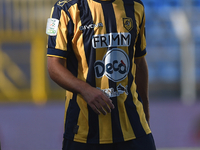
(32,106)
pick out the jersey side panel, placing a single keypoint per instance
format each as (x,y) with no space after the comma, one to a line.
(140,12)
(141,127)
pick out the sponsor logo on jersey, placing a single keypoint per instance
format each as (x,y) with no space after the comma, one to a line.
(115,65)
(128,23)
(91,26)
(111,40)
(110,92)
(62,3)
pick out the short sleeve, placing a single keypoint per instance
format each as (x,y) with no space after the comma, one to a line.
(57,44)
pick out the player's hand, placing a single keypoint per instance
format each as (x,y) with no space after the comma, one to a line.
(97,100)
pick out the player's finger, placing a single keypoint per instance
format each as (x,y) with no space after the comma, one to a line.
(102,111)
(100,108)
(105,105)
(109,102)
(94,108)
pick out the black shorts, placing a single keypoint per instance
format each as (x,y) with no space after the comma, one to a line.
(142,143)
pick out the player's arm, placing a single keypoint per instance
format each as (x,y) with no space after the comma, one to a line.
(141,79)
(97,100)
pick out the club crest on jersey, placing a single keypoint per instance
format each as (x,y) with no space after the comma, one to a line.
(62,3)
(128,23)
(115,65)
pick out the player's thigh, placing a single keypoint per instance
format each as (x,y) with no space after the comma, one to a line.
(142,143)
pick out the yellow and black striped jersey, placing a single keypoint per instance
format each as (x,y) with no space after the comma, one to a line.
(100,40)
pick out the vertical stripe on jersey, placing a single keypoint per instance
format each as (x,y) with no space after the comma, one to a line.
(78,49)
(142,127)
(68,97)
(52,10)
(61,40)
(131,101)
(72,113)
(142,116)
(73,109)
(95,8)
(105,127)
(130,13)
(138,7)
(82,121)
(83,57)
(132,111)
(90,54)
(123,116)
(110,22)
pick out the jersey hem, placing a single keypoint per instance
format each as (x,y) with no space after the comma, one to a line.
(106,141)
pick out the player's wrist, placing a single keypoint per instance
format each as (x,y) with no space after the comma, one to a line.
(83,88)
